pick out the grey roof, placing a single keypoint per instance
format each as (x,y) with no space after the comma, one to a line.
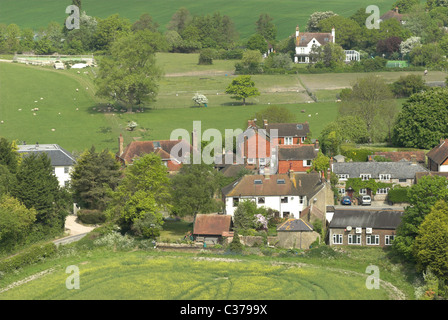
(57,155)
(366,218)
(297,152)
(397,170)
(289,129)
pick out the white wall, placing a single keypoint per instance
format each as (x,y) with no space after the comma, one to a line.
(293,206)
(443,168)
(59,172)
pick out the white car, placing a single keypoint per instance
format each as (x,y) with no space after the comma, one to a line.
(366,201)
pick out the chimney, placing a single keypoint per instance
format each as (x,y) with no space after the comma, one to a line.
(120,145)
(265,123)
(316,145)
(396,9)
(413,159)
(328,175)
(297,31)
(331,164)
(333,34)
(370,158)
(266,173)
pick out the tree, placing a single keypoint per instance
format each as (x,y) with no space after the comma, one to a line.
(347,31)
(406,86)
(180,20)
(422,120)
(422,197)
(408,45)
(130,75)
(266,28)
(279,61)
(9,155)
(16,222)
(321,163)
(404,6)
(250,63)
(206,56)
(431,243)
(193,190)
(37,187)
(329,55)
(109,30)
(245,216)
(93,174)
(145,23)
(241,88)
(370,96)
(388,46)
(257,42)
(200,99)
(313,22)
(273,114)
(144,190)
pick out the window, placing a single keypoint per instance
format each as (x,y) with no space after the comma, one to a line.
(402,180)
(388,239)
(261,200)
(365,176)
(285,214)
(284,199)
(301,198)
(384,176)
(373,239)
(281,181)
(383,191)
(258,182)
(66,169)
(354,239)
(250,160)
(308,163)
(236,201)
(363,191)
(337,239)
(341,190)
(343,176)
(288,140)
(262,161)
(302,139)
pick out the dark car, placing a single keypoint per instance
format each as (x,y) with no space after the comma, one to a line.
(346,201)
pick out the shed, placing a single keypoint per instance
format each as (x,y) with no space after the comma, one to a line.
(210,228)
(296,233)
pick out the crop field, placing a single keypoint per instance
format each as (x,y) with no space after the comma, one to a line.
(286,13)
(149,275)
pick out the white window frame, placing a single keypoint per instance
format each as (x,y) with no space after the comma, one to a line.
(363,191)
(341,190)
(376,239)
(363,176)
(251,160)
(261,200)
(388,238)
(305,163)
(338,238)
(343,176)
(235,200)
(262,161)
(382,191)
(385,176)
(301,199)
(288,141)
(356,237)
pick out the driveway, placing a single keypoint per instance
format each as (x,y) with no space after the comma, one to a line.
(75,228)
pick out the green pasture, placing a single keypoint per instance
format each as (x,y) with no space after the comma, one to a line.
(151,275)
(286,13)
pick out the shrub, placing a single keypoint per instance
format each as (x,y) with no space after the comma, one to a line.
(206,56)
(398,195)
(91,216)
(236,245)
(30,256)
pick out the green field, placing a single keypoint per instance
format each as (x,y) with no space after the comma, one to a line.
(286,13)
(154,275)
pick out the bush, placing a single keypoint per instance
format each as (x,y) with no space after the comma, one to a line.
(398,195)
(206,56)
(236,245)
(30,256)
(405,86)
(91,216)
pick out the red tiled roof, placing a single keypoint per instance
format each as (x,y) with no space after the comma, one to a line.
(212,224)
(439,153)
(305,38)
(140,148)
(400,155)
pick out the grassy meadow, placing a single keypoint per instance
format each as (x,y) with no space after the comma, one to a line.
(286,13)
(155,275)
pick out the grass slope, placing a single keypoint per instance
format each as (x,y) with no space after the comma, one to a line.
(286,13)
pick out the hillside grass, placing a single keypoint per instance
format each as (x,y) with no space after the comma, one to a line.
(286,13)
(154,275)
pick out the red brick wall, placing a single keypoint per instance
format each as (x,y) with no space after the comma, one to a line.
(296,165)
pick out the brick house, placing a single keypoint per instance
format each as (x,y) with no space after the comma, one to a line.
(297,158)
(364,227)
(438,157)
(289,133)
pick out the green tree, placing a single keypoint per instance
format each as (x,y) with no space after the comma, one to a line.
(250,63)
(15,223)
(431,242)
(273,114)
(180,20)
(406,86)
(130,75)
(329,55)
(193,190)
(37,187)
(7,180)
(347,30)
(93,174)
(257,42)
(245,214)
(321,163)
(422,197)
(266,28)
(404,6)
(9,155)
(422,120)
(144,190)
(241,88)
(206,56)
(145,23)
(109,30)
(12,38)
(313,22)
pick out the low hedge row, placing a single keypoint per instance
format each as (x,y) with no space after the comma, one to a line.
(91,216)
(27,257)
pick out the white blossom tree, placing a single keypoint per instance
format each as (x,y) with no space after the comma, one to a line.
(200,99)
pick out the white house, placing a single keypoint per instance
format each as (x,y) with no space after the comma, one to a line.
(289,194)
(306,40)
(61,160)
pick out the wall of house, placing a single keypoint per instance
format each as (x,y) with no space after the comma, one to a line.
(63,177)
(294,207)
(296,165)
(380,232)
(295,140)
(296,239)
(256,147)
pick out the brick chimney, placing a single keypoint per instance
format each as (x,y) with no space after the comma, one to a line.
(316,145)
(120,145)
(265,123)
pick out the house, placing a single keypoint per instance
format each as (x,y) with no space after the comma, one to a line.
(298,158)
(393,14)
(305,42)
(287,194)
(210,228)
(61,160)
(438,157)
(289,133)
(364,227)
(296,233)
(396,173)
(172,160)
(255,146)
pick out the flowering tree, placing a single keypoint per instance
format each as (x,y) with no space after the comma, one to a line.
(200,99)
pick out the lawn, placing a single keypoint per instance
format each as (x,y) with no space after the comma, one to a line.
(153,275)
(286,13)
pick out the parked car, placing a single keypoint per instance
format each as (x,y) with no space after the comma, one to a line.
(366,200)
(346,201)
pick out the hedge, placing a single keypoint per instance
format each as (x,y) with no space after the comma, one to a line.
(91,216)
(27,257)
(398,195)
